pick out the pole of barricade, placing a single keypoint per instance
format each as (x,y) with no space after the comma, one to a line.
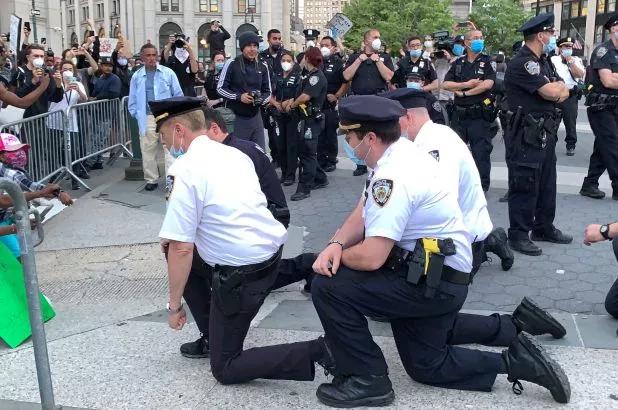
(134,172)
(39,341)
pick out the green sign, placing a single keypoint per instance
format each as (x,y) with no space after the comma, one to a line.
(14,320)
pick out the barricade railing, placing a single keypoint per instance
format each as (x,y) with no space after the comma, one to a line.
(96,128)
(199,90)
(48,140)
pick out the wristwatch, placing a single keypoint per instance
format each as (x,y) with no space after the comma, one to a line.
(173,311)
(605,231)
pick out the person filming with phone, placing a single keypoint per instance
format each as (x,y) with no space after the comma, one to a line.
(180,57)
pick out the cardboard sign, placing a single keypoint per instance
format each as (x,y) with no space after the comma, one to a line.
(108,45)
(15,32)
(14,319)
(339,25)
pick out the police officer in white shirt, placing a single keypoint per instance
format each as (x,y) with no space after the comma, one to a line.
(371,268)
(571,69)
(461,174)
(216,204)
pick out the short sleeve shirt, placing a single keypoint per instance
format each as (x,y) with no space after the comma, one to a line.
(421,66)
(460,174)
(525,74)
(215,202)
(315,86)
(604,56)
(463,70)
(367,80)
(406,200)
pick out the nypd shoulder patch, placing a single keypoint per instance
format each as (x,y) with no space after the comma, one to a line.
(601,51)
(169,186)
(435,154)
(313,80)
(381,191)
(436,106)
(532,67)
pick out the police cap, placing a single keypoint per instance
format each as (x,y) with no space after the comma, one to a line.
(538,24)
(407,97)
(366,111)
(566,41)
(106,60)
(413,76)
(612,20)
(311,34)
(167,108)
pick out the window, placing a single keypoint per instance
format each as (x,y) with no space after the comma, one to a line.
(85,13)
(246,6)
(598,34)
(566,9)
(584,8)
(175,5)
(71,16)
(69,2)
(209,6)
(574,9)
(611,6)
(115,10)
(100,11)
(600,6)
(165,5)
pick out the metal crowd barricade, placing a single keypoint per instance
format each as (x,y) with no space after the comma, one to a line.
(48,140)
(96,128)
(39,341)
(199,90)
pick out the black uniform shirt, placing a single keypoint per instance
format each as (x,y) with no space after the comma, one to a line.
(525,74)
(604,56)
(333,71)
(434,109)
(422,67)
(367,80)
(269,181)
(463,70)
(315,85)
(287,87)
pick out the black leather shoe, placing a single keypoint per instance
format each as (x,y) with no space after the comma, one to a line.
(357,391)
(360,170)
(526,360)
(525,246)
(299,196)
(592,192)
(555,236)
(320,185)
(288,181)
(531,318)
(570,151)
(329,168)
(505,198)
(196,350)
(615,196)
(327,360)
(151,187)
(497,243)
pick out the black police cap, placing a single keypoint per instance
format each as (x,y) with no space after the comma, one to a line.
(407,97)
(564,41)
(358,111)
(538,24)
(167,108)
(311,33)
(613,19)
(106,60)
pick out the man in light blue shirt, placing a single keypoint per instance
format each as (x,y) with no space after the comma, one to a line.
(152,82)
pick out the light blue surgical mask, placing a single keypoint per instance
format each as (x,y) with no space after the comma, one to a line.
(616,35)
(550,46)
(416,53)
(122,61)
(176,153)
(413,85)
(458,49)
(477,45)
(219,66)
(351,154)
(566,52)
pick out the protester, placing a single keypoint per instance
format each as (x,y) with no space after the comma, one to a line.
(216,38)
(85,74)
(180,57)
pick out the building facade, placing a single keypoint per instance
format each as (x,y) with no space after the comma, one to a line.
(317,13)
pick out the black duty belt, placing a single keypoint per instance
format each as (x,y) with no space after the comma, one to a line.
(597,99)
(251,273)
(450,275)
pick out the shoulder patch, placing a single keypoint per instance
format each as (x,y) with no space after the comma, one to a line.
(169,186)
(313,80)
(435,154)
(494,65)
(532,67)
(601,51)
(436,106)
(381,191)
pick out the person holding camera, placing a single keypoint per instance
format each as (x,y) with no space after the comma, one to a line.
(180,57)
(216,38)
(571,69)
(27,78)
(245,85)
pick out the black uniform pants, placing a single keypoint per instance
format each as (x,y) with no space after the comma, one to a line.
(311,173)
(197,292)
(477,132)
(287,136)
(327,141)
(604,156)
(569,117)
(532,185)
(424,329)
(269,126)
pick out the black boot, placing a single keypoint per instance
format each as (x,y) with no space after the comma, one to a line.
(196,350)
(497,243)
(526,360)
(505,198)
(525,246)
(360,170)
(592,192)
(357,391)
(529,317)
(554,236)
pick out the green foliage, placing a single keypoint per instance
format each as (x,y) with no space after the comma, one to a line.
(396,19)
(499,20)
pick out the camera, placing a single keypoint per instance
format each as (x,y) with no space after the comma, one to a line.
(442,41)
(179,43)
(255,94)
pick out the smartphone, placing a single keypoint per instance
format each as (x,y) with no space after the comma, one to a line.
(27,25)
(91,33)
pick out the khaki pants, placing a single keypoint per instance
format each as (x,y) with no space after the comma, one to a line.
(153,152)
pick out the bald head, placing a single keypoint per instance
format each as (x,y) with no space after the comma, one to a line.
(413,121)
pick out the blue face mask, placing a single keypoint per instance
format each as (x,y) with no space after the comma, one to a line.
(458,49)
(351,154)
(477,46)
(416,53)
(567,52)
(219,66)
(551,46)
(413,85)
(176,153)
(616,36)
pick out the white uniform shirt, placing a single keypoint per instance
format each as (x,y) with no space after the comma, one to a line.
(563,70)
(406,200)
(216,203)
(460,174)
